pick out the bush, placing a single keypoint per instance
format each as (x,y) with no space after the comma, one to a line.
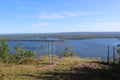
(20,55)
(67,52)
(4,51)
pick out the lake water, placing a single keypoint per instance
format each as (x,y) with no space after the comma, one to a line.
(83,48)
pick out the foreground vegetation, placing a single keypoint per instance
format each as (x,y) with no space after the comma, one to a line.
(63,69)
(39,69)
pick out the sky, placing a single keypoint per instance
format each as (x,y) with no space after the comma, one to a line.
(53,16)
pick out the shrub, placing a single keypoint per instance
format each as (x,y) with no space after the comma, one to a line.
(4,51)
(22,56)
(67,52)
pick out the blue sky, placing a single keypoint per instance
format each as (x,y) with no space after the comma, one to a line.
(44,16)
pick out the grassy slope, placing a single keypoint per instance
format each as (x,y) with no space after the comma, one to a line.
(39,70)
(63,69)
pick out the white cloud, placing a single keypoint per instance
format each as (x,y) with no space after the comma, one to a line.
(47,15)
(83,27)
(37,25)
(104,24)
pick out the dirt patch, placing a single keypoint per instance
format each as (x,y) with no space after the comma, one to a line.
(88,66)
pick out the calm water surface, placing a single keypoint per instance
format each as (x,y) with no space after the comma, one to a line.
(82,48)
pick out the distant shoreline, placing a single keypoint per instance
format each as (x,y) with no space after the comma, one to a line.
(69,35)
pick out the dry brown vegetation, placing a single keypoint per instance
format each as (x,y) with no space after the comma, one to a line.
(39,69)
(63,69)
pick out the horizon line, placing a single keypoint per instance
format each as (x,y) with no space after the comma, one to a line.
(64,32)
